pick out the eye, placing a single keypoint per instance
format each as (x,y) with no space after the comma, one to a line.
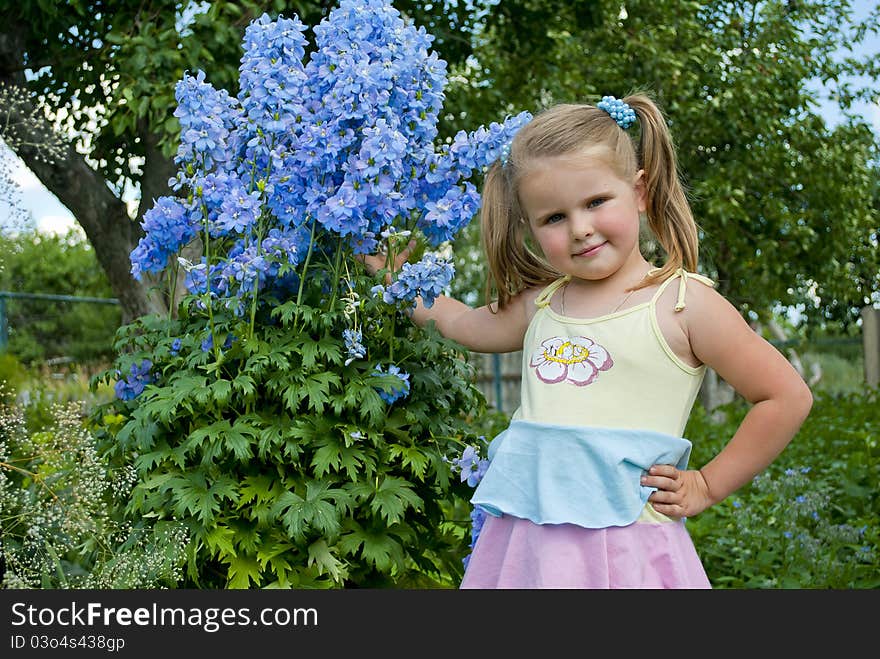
(553,219)
(598,201)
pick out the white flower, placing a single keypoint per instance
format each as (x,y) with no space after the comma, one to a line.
(575,359)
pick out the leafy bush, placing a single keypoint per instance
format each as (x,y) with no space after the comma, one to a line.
(840,374)
(812,519)
(291,415)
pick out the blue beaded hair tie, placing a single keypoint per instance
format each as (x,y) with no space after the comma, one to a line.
(505,154)
(619,110)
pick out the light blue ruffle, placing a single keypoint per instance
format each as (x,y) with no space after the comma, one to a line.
(553,474)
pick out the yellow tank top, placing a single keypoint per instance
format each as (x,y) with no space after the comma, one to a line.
(614,371)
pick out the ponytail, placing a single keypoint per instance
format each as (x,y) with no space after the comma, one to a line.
(513,265)
(669,213)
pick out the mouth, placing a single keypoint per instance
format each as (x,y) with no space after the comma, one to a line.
(591,250)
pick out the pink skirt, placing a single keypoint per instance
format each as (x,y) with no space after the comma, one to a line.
(511,552)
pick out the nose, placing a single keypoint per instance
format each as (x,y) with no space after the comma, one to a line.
(581,225)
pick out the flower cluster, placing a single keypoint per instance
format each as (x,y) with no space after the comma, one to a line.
(427,278)
(399,387)
(316,156)
(353,345)
(472,468)
(133,385)
(801,530)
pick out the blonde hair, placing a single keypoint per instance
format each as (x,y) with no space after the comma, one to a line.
(567,129)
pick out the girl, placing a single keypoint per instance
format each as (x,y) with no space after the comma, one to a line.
(589,486)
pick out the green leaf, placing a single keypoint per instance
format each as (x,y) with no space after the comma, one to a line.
(321,509)
(244,384)
(389,498)
(380,549)
(325,562)
(219,541)
(220,390)
(412,457)
(243,572)
(316,388)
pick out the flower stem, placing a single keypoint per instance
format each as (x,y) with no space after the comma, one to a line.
(208,285)
(173,274)
(302,278)
(336,278)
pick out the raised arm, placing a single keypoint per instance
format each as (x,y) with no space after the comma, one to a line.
(479,330)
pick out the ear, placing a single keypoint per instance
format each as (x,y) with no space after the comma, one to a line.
(641,190)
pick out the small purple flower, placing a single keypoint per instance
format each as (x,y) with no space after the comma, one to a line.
(133,386)
(175,347)
(471,466)
(478,517)
(208,344)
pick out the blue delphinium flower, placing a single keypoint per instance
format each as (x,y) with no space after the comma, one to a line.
(471,466)
(398,391)
(175,347)
(353,345)
(206,117)
(428,278)
(168,225)
(134,384)
(478,517)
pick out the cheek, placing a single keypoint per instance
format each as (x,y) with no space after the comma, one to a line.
(550,241)
(621,227)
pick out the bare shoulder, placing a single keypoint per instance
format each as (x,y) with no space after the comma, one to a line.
(673,324)
(709,319)
(707,310)
(722,339)
(527,298)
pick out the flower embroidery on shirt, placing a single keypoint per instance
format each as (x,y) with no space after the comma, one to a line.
(574,359)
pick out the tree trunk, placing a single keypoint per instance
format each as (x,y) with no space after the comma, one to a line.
(102,215)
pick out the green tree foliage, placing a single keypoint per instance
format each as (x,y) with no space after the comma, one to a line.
(43,329)
(787,204)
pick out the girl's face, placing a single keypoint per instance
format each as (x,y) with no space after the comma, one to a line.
(584,216)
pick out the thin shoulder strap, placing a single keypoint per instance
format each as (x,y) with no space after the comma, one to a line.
(683,275)
(543,298)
